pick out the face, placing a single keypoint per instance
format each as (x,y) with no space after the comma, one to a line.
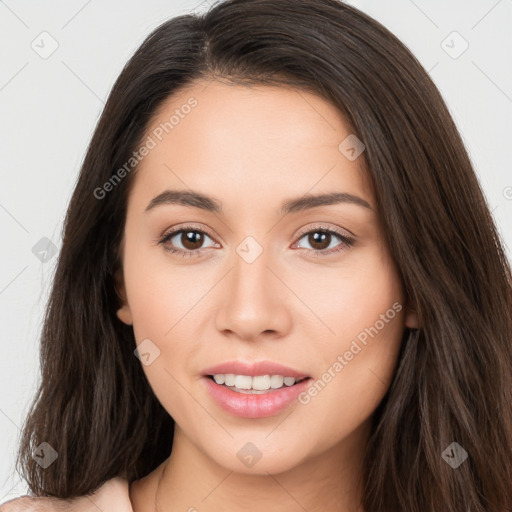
(258,272)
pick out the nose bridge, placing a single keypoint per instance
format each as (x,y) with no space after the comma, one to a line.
(253,302)
(251,275)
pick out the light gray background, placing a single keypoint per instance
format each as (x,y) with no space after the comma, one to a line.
(49,108)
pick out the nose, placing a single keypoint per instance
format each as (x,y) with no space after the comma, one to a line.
(254,300)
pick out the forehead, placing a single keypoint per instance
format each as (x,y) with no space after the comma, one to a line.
(256,143)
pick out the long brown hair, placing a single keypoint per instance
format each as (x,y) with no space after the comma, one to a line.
(453,382)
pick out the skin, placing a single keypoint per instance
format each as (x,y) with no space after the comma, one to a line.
(252,148)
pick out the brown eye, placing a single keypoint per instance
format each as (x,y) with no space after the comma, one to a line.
(189,241)
(319,240)
(185,241)
(192,239)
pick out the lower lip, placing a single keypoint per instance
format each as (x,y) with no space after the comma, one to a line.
(254,405)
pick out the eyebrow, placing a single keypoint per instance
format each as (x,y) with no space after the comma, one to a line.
(210,204)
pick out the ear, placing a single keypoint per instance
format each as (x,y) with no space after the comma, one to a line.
(411,318)
(124,312)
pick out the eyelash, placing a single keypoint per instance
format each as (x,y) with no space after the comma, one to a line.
(347,242)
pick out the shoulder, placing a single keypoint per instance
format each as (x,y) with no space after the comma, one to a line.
(112,496)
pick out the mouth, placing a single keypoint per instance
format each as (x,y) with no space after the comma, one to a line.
(238,395)
(257,385)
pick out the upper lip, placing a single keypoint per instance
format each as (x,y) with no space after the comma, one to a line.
(253,369)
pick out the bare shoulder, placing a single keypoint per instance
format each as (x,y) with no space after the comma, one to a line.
(31,504)
(44,504)
(112,496)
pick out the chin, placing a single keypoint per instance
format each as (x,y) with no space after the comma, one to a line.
(260,456)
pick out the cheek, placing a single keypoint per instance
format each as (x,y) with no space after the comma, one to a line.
(159,294)
(153,305)
(356,376)
(369,332)
(358,361)
(354,380)
(166,302)
(352,298)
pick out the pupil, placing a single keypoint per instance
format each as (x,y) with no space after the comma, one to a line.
(193,239)
(319,237)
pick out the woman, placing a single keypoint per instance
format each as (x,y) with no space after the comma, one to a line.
(280,285)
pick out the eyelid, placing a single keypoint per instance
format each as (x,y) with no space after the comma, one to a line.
(303,231)
(176,229)
(324,226)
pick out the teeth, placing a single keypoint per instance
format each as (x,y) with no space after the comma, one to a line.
(259,383)
(276,381)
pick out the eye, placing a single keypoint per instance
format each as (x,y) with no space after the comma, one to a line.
(321,238)
(189,237)
(192,240)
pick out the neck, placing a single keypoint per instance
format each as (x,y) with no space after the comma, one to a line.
(330,481)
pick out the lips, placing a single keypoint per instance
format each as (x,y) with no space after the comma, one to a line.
(253,369)
(254,406)
(263,404)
